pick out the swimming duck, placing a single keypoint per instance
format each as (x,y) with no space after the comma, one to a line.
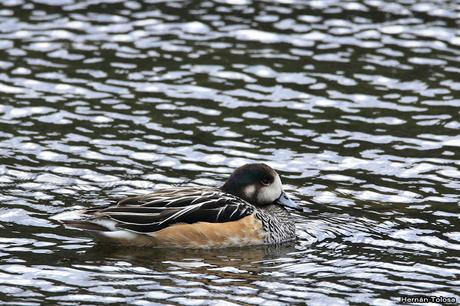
(247,210)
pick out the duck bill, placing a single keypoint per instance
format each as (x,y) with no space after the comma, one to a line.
(285,201)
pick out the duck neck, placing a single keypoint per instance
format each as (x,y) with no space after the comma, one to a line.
(234,189)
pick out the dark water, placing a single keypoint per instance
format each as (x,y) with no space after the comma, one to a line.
(355,103)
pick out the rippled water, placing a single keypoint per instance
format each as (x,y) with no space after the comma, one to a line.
(355,103)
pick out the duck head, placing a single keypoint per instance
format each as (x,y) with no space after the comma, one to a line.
(259,185)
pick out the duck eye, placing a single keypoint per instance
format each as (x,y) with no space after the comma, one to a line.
(265,182)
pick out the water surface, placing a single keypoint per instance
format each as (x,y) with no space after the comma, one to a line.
(356,103)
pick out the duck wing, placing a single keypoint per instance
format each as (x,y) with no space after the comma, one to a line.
(155,211)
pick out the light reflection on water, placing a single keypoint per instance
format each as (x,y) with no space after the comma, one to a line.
(355,103)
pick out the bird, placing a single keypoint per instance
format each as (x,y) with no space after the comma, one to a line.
(248,209)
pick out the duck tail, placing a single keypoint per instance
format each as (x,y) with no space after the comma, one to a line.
(82,220)
(103,229)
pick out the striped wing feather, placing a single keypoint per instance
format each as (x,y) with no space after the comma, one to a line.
(158,210)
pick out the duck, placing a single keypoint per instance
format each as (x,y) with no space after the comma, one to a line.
(248,209)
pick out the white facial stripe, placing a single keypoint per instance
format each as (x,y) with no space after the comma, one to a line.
(249,191)
(269,194)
